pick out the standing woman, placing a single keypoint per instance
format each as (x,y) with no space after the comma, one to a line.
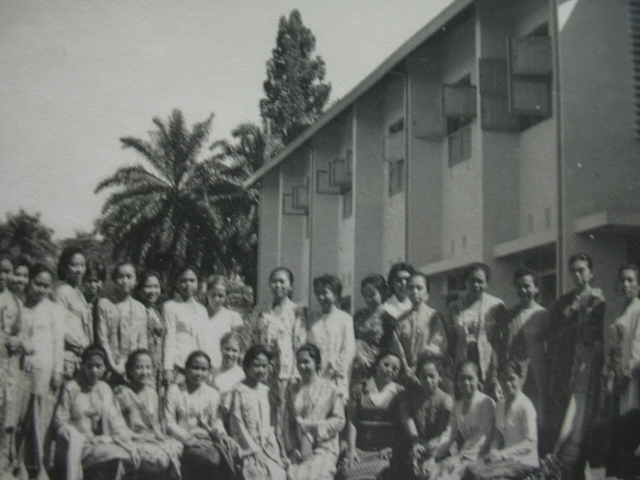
(44,323)
(480,322)
(10,354)
(281,327)
(192,415)
(92,439)
(21,269)
(150,294)
(314,418)
(576,360)
(332,331)
(121,325)
(79,331)
(398,304)
(528,323)
(623,378)
(221,320)
(375,293)
(250,421)
(94,280)
(184,317)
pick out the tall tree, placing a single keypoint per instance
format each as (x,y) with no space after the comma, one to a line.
(24,234)
(296,93)
(178,207)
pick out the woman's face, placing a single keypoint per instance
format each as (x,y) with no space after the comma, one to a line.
(526,289)
(629,284)
(388,368)
(280,285)
(306,365)
(6,272)
(142,370)
(258,369)
(20,279)
(418,291)
(152,290)
(477,283)
(217,295)
(93,369)
(373,330)
(230,353)
(400,284)
(197,371)
(188,284)
(93,285)
(468,380)
(326,298)
(581,273)
(126,280)
(40,287)
(429,377)
(371,296)
(76,268)
(511,384)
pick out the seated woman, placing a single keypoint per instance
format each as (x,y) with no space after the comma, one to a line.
(514,449)
(372,412)
(425,413)
(470,427)
(93,440)
(249,420)
(191,411)
(314,417)
(138,402)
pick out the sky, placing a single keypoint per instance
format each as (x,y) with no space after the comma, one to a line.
(75,76)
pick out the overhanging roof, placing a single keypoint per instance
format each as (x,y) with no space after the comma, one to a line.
(405,49)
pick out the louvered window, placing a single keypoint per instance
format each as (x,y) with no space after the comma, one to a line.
(634,21)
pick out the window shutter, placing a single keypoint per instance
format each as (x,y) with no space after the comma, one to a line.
(530,56)
(459,101)
(494,96)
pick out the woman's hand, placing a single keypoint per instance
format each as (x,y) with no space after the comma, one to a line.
(385,453)
(56,381)
(418,450)
(135,458)
(200,433)
(351,458)
(493,456)
(14,344)
(167,377)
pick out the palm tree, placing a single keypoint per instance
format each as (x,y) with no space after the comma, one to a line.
(177,208)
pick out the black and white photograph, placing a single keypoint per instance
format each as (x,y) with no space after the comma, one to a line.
(305,240)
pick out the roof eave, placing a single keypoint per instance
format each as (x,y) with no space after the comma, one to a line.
(405,49)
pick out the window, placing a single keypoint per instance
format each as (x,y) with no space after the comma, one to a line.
(396,176)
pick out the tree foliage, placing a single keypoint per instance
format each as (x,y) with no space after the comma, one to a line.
(296,93)
(176,208)
(23,234)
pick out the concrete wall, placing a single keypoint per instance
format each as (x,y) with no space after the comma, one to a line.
(599,148)
(269,231)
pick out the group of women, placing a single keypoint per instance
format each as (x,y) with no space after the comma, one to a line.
(133,387)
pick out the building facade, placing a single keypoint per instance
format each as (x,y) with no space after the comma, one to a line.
(503,131)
